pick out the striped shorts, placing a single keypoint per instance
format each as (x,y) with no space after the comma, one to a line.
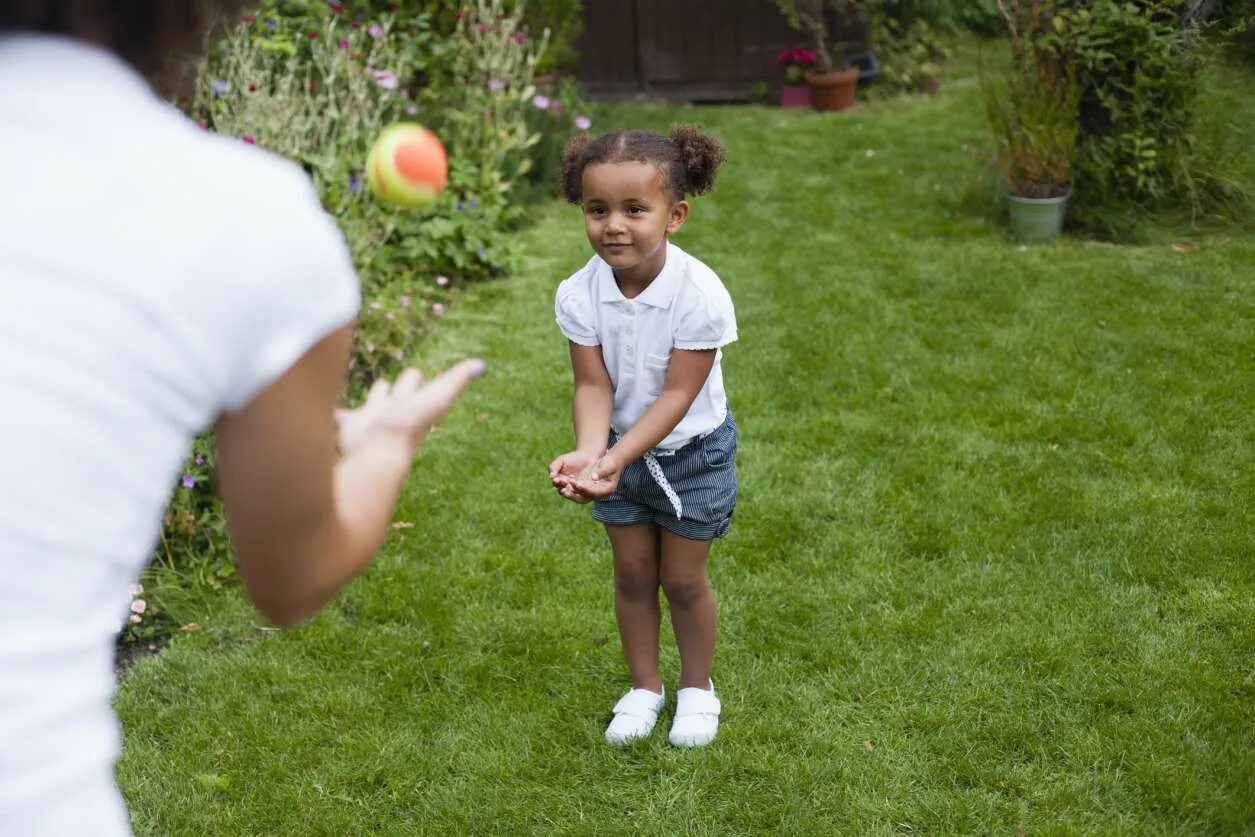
(690,491)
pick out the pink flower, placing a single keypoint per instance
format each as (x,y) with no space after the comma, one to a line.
(375,30)
(518,39)
(135,620)
(411,110)
(139,606)
(385,79)
(344,44)
(137,590)
(583,123)
(540,101)
(496,85)
(405,300)
(442,281)
(248,139)
(438,309)
(390,316)
(375,306)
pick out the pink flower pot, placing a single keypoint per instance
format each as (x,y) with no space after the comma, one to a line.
(795,96)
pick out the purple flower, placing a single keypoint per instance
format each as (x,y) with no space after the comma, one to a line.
(271,25)
(219,87)
(459,206)
(496,85)
(583,123)
(540,101)
(375,30)
(355,185)
(200,460)
(411,110)
(189,481)
(474,204)
(385,79)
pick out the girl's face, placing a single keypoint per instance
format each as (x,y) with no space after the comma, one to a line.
(628,215)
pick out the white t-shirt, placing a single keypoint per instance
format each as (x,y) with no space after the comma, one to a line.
(685,307)
(152,277)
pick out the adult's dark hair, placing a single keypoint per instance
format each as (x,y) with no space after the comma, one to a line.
(687,158)
(154,36)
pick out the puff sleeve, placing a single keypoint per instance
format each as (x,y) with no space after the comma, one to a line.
(573,310)
(705,319)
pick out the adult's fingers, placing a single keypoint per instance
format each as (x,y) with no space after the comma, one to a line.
(406,383)
(428,404)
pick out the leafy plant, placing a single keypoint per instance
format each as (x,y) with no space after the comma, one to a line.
(795,63)
(810,17)
(911,54)
(1033,108)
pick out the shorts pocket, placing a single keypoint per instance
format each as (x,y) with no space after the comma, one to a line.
(719,448)
(655,372)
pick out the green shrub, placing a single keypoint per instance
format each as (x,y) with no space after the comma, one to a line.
(975,15)
(911,55)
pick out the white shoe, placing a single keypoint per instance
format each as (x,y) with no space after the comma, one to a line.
(634,716)
(696,717)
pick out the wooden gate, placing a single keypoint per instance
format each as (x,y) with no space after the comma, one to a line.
(694,50)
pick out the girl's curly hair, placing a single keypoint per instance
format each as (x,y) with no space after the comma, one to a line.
(687,158)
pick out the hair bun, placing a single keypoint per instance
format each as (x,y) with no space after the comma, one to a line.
(701,155)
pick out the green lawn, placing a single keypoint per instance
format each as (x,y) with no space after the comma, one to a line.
(992,567)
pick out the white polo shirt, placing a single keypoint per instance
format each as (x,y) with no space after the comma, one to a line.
(152,276)
(685,307)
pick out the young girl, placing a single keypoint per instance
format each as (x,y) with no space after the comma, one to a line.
(655,441)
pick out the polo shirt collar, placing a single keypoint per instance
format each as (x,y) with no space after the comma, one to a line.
(659,293)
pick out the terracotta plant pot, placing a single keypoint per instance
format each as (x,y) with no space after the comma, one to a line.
(834,90)
(795,96)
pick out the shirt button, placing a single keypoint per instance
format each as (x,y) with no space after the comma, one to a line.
(629,331)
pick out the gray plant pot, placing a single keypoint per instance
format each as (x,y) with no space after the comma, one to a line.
(1037,220)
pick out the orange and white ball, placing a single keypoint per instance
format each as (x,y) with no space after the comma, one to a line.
(407,166)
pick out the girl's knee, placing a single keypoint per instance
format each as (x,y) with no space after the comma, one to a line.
(636,581)
(685,588)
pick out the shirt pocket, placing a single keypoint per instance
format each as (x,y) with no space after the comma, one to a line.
(655,372)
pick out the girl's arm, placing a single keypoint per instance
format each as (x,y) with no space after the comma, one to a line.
(593,401)
(591,408)
(686,374)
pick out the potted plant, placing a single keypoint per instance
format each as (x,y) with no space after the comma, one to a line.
(1034,115)
(795,63)
(832,82)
